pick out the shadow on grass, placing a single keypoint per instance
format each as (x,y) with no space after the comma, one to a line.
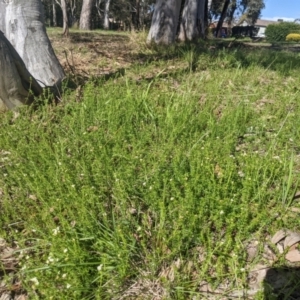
(88,37)
(232,54)
(282,283)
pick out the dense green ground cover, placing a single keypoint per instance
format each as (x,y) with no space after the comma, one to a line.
(151,183)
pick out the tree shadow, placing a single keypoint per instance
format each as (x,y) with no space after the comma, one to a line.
(88,37)
(280,58)
(282,283)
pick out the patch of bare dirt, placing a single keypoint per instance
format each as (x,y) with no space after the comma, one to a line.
(10,284)
(92,54)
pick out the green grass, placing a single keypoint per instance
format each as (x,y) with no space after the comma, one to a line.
(153,184)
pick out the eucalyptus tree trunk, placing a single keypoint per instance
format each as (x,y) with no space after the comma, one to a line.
(209,3)
(24,28)
(164,22)
(17,85)
(86,14)
(54,13)
(97,5)
(188,25)
(106,14)
(27,56)
(63,6)
(192,24)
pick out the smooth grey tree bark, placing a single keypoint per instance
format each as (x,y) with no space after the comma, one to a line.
(164,22)
(64,9)
(209,3)
(24,27)
(106,14)
(54,13)
(28,62)
(17,85)
(97,5)
(188,25)
(192,24)
(65,17)
(86,14)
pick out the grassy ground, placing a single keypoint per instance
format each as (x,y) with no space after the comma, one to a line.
(151,185)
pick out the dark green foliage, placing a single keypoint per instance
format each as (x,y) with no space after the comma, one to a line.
(278,32)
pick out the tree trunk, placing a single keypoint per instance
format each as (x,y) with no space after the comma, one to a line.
(106,14)
(201,14)
(17,85)
(222,17)
(164,22)
(86,14)
(97,4)
(193,24)
(72,19)
(209,3)
(54,13)
(137,18)
(25,30)
(233,8)
(188,26)
(65,17)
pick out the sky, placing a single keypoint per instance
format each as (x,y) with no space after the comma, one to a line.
(281,9)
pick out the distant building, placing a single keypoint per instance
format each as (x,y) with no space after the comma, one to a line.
(261,25)
(246,28)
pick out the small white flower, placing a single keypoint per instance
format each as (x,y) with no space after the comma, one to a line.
(242,269)
(99,268)
(221,212)
(144,183)
(172,198)
(64,275)
(68,286)
(65,250)
(73,185)
(55,230)
(50,260)
(150,188)
(59,163)
(34,280)
(241,173)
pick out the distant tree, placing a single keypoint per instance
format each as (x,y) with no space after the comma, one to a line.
(63,6)
(106,14)
(252,9)
(222,16)
(54,13)
(86,14)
